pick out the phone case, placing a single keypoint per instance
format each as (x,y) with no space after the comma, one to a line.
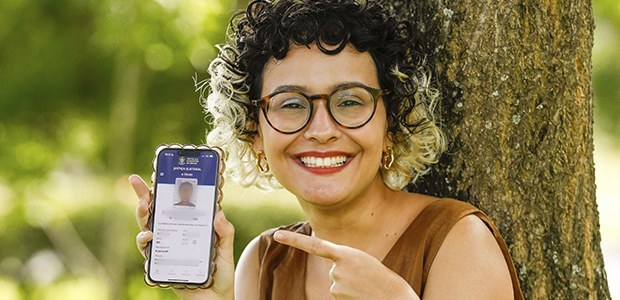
(220,184)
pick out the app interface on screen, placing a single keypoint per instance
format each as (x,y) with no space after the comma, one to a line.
(183,214)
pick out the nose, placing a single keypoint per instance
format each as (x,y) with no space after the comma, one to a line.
(321,127)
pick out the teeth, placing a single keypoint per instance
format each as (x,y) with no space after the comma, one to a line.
(323,162)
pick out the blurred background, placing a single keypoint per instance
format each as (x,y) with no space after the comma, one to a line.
(89,88)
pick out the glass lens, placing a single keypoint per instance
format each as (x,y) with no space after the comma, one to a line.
(288,111)
(352,107)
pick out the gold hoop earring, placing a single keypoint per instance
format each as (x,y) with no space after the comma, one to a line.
(261,162)
(388,158)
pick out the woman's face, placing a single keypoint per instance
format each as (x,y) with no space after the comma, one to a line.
(314,72)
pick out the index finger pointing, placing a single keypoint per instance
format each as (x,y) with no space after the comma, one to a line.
(308,244)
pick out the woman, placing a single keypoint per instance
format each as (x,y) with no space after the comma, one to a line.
(328,100)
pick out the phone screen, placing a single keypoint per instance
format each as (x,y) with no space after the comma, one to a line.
(182,217)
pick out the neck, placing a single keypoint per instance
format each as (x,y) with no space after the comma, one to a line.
(355,222)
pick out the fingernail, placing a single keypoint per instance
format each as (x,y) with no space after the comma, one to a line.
(279,236)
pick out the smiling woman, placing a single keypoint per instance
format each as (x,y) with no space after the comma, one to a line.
(329,100)
(237,74)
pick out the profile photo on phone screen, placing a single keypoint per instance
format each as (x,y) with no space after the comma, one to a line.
(185,195)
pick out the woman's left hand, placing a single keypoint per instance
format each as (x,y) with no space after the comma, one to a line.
(354,273)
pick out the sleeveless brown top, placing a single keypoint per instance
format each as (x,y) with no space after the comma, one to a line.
(282,268)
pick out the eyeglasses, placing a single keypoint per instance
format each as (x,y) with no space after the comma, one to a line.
(351,106)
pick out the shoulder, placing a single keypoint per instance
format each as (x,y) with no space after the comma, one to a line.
(444,212)
(258,247)
(247,271)
(267,236)
(433,217)
(247,275)
(469,262)
(443,204)
(446,205)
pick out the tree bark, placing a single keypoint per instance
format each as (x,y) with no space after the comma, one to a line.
(517,105)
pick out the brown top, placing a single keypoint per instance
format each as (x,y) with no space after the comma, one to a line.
(283,268)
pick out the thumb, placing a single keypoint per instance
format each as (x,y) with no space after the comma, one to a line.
(226,233)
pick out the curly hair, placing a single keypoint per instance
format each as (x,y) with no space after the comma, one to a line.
(266,29)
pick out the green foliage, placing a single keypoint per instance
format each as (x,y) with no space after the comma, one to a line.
(76,78)
(608,10)
(606,74)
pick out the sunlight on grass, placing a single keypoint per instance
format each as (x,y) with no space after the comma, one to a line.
(73,289)
(9,290)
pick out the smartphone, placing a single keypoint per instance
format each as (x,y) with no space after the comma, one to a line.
(185,196)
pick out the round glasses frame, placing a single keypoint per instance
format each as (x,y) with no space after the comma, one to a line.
(263,103)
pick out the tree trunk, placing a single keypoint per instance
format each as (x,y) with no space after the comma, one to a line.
(517,105)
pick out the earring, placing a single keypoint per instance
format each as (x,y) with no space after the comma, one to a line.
(388,158)
(261,162)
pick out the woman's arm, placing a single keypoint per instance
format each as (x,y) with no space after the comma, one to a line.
(246,275)
(469,265)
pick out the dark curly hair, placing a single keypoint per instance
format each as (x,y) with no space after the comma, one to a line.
(267,28)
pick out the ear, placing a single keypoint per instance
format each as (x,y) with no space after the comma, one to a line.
(257,141)
(389,139)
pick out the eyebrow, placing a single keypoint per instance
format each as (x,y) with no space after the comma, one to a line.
(301,88)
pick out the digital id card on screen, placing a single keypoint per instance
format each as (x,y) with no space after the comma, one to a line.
(182,216)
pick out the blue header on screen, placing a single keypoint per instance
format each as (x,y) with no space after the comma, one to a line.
(201,164)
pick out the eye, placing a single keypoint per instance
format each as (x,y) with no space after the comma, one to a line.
(293,103)
(349,101)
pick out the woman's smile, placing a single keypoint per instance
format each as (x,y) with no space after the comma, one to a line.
(323,162)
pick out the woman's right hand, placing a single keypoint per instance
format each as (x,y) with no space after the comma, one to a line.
(223,278)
